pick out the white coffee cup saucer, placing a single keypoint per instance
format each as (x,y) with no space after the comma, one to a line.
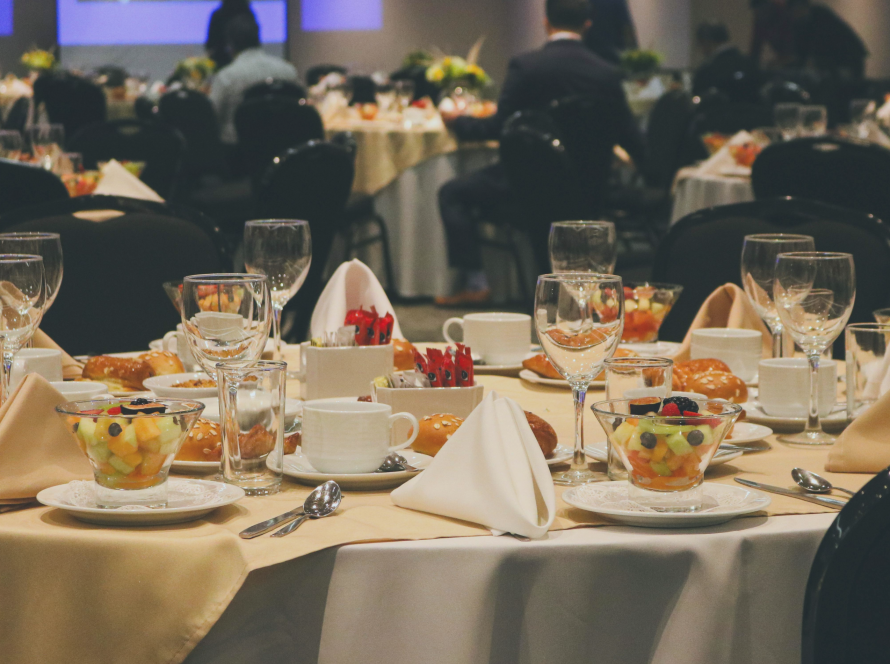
(297,467)
(835,421)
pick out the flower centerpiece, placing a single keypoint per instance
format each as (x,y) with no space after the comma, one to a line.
(193,72)
(641,64)
(454,71)
(38,60)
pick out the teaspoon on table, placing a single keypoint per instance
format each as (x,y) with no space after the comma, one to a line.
(394,463)
(814,483)
(274,522)
(326,500)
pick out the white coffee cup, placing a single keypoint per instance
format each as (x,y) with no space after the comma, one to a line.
(80,390)
(341,372)
(350,436)
(498,339)
(784,389)
(742,350)
(44,361)
(176,342)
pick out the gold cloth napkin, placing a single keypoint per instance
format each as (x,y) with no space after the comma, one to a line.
(863,447)
(36,452)
(118,181)
(71,368)
(728,306)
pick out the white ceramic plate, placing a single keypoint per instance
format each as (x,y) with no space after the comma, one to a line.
(162,386)
(561,454)
(532,377)
(656,349)
(195,467)
(182,504)
(597,451)
(298,467)
(722,503)
(501,368)
(835,421)
(747,432)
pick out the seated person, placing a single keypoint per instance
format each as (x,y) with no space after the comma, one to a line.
(563,67)
(824,41)
(251,65)
(725,69)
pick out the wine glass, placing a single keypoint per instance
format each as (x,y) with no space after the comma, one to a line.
(282,250)
(578,318)
(788,119)
(759,272)
(46,245)
(404,93)
(813,120)
(814,294)
(22,300)
(583,246)
(46,144)
(11,144)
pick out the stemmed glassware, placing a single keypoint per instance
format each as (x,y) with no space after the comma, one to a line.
(11,144)
(578,318)
(788,118)
(814,294)
(46,144)
(583,246)
(46,245)
(22,301)
(759,272)
(282,250)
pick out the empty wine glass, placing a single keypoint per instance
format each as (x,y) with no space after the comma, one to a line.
(46,245)
(759,254)
(814,294)
(578,318)
(22,300)
(813,120)
(46,144)
(404,93)
(386,97)
(281,249)
(11,145)
(787,118)
(583,246)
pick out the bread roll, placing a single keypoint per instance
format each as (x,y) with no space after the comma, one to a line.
(162,362)
(204,443)
(541,366)
(678,379)
(693,367)
(403,355)
(544,434)
(120,374)
(719,385)
(435,430)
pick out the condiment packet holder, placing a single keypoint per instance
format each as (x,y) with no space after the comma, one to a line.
(423,401)
(341,372)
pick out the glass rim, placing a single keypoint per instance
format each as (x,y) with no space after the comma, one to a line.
(874,312)
(20,258)
(224,278)
(658,285)
(584,222)
(278,222)
(259,365)
(777,237)
(871,327)
(30,235)
(734,410)
(592,277)
(76,408)
(810,255)
(639,361)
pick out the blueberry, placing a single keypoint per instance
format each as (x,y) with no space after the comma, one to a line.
(695,438)
(683,403)
(649,440)
(140,402)
(114,430)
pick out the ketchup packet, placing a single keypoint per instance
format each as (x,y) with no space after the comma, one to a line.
(420,362)
(386,324)
(364,325)
(463,361)
(449,375)
(435,369)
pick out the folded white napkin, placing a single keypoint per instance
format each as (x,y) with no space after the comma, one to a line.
(118,181)
(491,472)
(722,162)
(352,286)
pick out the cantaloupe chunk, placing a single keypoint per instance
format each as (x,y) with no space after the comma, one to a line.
(146,429)
(122,447)
(152,463)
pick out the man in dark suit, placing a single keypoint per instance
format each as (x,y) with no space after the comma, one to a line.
(564,67)
(725,69)
(823,40)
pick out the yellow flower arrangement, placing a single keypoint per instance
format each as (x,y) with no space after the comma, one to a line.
(39,60)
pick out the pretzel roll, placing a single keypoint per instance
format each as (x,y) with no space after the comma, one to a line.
(435,430)
(544,433)
(693,367)
(678,379)
(120,374)
(403,355)
(719,385)
(204,443)
(541,366)
(162,362)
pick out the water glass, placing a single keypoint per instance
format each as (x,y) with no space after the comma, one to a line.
(404,93)
(252,412)
(788,119)
(634,378)
(22,301)
(862,112)
(583,246)
(867,369)
(813,121)
(386,97)
(11,145)
(46,245)
(46,144)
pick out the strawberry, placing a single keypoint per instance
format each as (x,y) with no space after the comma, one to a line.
(671,410)
(689,413)
(114,411)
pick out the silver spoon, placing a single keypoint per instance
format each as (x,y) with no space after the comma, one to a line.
(394,463)
(814,483)
(321,503)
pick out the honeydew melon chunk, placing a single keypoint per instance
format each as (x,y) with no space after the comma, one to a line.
(171,433)
(646,425)
(99,453)
(623,433)
(129,435)
(670,429)
(634,443)
(661,468)
(118,464)
(86,431)
(677,443)
(708,434)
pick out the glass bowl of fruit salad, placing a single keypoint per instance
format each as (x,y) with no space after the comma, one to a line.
(645,307)
(130,444)
(666,446)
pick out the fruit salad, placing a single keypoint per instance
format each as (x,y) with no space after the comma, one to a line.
(645,308)
(130,443)
(666,445)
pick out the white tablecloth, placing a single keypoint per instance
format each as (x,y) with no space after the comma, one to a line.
(728,594)
(698,192)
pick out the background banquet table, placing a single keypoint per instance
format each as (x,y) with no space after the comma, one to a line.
(694,192)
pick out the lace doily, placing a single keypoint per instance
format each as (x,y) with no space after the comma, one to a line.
(180,493)
(715,499)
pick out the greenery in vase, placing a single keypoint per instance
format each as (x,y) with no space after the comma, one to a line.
(195,70)
(453,70)
(39,60)
(640,62)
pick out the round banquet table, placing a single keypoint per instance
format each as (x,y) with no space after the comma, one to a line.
(697,192)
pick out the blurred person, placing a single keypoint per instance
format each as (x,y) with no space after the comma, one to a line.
(725,68)
(563,67)
(825,42)
(216,44)
(611,30)
(772,40)
(250,65)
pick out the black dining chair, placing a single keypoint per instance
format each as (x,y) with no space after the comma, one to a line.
(703,250)
(160,146)
(71,101)
(112,299)
(22,185)
(269,126)
(364,90)
(845,172)
(275,87)
(310,182)
(668,123)
(847,601)
(784,92)
(124,205)
(317,72)
(192,114)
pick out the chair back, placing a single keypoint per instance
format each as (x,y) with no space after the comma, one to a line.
(669,123)
(703,250)
(275,87)
(268,126)
(24,184)
(161,147)
(71,101)
(364,90)
(845,611)
(111,298)
(145,109)
(192,114)
(853,174)
(310,182)
(317,72)
(783,92)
